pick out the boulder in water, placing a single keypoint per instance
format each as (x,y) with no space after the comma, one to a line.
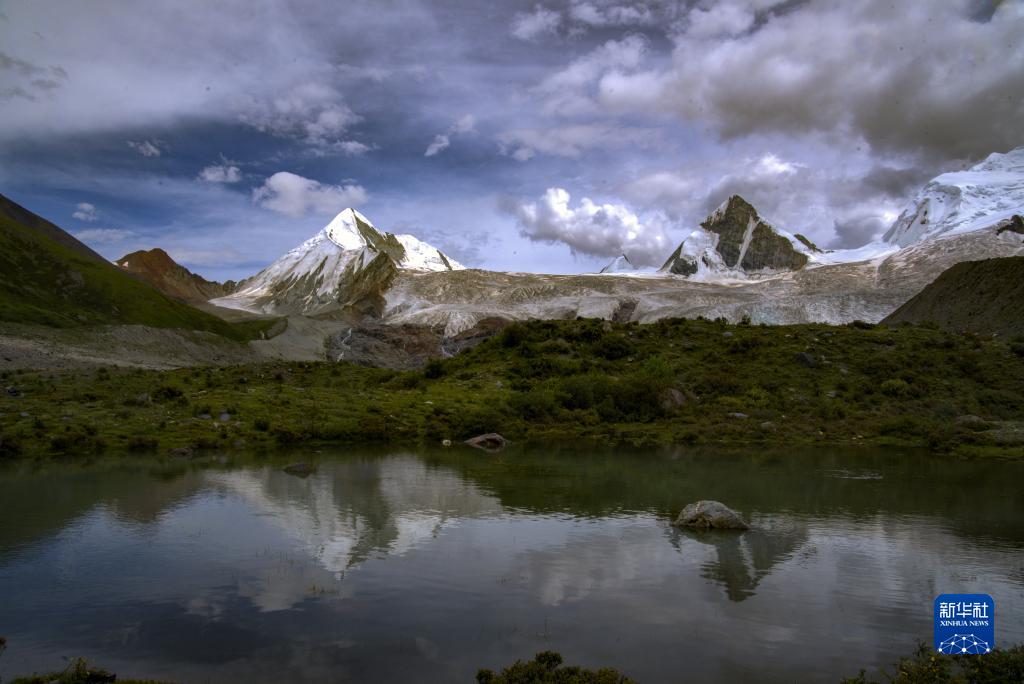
(710,515)
(491,441)
(300,469)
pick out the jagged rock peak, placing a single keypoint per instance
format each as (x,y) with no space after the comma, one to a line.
(734,241)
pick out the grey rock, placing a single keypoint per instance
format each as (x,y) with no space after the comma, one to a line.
(738,416)
(143,399)
(225,417)
(975,423)
(768,426)
(805,359)
(12,391)
(491,441)
(204,416)
(710,515)
(727,335)
(672,398)
(182,452)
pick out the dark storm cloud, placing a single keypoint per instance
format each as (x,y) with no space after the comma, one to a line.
(895,182)
(918,77)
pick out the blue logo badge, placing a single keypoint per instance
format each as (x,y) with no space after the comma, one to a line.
(965,624)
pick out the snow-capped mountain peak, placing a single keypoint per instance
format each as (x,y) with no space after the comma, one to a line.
(349,263)
(963,201)
(344,229)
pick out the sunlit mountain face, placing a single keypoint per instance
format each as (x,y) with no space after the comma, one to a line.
(550,137)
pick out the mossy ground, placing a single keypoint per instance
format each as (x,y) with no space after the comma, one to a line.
(674,381)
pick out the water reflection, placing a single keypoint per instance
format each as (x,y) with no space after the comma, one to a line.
(743,559)
(349,511)
(411,567)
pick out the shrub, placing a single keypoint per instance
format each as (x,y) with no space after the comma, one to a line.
(895,388)
(434,369)
(928,667)
(143,443)
(613,347)
(546,668)
(513,336)
(167,393)
(535,405)
(583,391)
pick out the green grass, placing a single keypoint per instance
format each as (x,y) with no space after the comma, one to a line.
(549,381)
(45,282)
(79,671)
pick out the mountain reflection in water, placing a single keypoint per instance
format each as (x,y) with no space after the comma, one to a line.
(426,566)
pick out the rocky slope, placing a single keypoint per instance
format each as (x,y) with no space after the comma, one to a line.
(158,269)
(981,296)
(346,267)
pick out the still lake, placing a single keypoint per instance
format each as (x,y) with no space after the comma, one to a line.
(404,566)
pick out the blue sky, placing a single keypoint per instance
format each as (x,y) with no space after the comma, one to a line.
(536,136)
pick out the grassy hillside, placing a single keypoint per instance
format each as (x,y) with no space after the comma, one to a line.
(674,381)
(50,278)
(982,296)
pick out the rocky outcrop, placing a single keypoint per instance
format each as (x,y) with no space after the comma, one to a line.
(157,268)
(1014,224)
(710,515)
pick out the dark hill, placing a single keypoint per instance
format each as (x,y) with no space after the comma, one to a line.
(48,277)
(981,296)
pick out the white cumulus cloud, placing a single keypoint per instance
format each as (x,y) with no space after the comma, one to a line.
(605,230)
(85,212)
(293,195)
(220,173)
